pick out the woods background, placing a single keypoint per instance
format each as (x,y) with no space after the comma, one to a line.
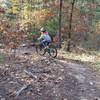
(19,18)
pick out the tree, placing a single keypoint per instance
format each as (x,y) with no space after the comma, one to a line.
(68,42)
(60,17)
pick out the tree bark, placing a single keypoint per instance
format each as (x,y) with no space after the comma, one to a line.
(70,27)
(60,17)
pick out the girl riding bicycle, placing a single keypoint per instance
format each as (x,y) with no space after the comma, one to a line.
(44,46)
(45,38)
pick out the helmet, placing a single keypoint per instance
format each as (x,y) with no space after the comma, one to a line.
(42,29)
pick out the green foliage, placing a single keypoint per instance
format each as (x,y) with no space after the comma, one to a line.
(52,26)
(33,36)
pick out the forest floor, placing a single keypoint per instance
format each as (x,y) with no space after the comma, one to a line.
(28,76)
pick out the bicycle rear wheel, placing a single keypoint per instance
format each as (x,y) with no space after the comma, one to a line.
(41,51)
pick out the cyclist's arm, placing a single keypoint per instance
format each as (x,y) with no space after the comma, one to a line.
(41,37)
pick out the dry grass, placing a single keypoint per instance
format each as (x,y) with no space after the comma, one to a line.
(93,58)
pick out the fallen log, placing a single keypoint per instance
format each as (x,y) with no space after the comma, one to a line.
(30,74)
(20,91)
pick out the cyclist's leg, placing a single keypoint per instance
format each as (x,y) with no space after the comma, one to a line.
(42,44)
(48,42)
(45,43)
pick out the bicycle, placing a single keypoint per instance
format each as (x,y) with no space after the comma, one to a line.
(50,49)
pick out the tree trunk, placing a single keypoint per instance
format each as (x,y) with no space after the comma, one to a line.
(68,42)
(60,15)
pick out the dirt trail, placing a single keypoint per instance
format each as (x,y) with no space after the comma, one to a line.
(32,77)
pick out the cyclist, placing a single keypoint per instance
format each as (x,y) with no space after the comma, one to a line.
(45,38)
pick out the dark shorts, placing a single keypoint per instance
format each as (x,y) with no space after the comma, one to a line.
(45,43)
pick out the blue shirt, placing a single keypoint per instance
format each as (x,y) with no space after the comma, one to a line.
(45,37)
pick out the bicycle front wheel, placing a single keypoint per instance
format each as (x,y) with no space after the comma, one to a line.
(53,52)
